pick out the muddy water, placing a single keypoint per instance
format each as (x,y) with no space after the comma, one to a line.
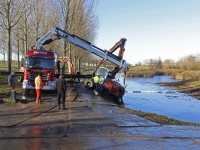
(143,94)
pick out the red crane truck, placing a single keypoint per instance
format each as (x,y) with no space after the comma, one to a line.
(50,79)
(37,61)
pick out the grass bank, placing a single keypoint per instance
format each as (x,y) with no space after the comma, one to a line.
(163,120)
(142,73)
(174,73)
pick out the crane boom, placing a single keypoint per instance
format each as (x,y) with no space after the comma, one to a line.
(81,43)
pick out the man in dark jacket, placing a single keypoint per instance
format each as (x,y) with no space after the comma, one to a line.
(11,82)
(61,88)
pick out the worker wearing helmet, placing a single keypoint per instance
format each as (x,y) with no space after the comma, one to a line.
(96,80)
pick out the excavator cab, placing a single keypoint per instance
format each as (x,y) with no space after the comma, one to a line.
(103,73)
(109,86)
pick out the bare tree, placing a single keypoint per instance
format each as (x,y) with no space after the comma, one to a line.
(18,42)
(168,64)
(3,45)
(10,15)
(37,18)
(181,64)
(188,63)
(146,62)
(191,62)
(198,61)
(155,63)
(84,24)
(159,63)
(77,17)
(2,51)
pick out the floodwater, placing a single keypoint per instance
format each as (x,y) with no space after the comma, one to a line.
(143,94)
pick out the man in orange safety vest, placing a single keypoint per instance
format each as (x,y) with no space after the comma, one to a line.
(38,88)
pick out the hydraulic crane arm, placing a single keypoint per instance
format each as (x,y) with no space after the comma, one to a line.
(81,43)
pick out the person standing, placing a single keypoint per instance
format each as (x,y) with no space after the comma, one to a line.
(96,82)
(61,88)
(11,82)
(58,66)
(38,87)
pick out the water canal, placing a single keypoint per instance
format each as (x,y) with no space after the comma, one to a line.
(145,95)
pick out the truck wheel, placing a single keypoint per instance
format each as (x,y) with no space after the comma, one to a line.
(20,79)
(89,84)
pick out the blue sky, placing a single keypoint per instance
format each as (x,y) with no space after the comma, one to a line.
(169,29)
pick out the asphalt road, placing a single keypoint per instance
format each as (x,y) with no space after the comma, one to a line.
(88,123)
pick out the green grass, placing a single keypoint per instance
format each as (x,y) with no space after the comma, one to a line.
(138,67)
(197,83)
(5,67)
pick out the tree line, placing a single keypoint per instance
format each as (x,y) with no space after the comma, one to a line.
(23,21)
(190,62)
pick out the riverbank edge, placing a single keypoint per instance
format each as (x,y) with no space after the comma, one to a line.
(163,120)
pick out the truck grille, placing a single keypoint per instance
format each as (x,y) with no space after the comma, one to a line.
(32,76)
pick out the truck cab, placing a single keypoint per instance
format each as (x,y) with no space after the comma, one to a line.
(39,61)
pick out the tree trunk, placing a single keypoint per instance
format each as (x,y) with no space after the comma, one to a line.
(9,49)
(4,59)
(25,35)
(18,62)
(74,63)
(79,69)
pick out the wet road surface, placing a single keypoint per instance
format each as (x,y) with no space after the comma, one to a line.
(89,122)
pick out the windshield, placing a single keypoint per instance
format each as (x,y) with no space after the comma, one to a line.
(40,63)
(103,72)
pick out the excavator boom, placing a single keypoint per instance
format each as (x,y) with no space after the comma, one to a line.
(120,45)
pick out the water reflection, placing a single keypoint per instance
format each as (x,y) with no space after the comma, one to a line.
(35,130)
(160,100)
